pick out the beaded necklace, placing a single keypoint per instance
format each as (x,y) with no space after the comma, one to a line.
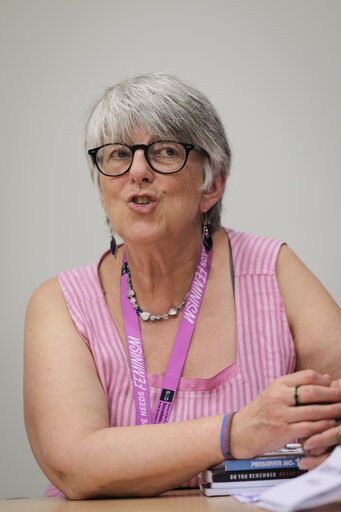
(145,315)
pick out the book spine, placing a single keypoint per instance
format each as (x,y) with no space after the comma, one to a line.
(256,475)
(262,463)
(246,484)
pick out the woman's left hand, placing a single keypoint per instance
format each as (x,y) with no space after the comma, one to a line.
(318,447)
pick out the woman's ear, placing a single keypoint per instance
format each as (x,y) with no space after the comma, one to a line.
(208,199)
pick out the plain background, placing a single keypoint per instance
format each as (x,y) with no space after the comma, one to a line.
(272,69)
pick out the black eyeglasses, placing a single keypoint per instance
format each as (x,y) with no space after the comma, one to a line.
(163,156)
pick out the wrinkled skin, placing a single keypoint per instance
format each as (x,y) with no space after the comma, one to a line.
(273,415)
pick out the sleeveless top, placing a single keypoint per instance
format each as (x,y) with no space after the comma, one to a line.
(265,349)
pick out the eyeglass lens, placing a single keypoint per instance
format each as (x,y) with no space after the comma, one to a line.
(164,156)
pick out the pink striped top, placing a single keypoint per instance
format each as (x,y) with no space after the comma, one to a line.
(265,348)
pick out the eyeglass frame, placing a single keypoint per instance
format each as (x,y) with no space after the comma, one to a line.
(188,148)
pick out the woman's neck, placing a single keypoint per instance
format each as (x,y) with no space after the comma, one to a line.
(162,273)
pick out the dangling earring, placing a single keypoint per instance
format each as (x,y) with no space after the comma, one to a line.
(113,245)
(207,238)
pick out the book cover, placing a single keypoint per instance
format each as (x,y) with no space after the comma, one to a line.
(257,474)
(250,488)
(283,462)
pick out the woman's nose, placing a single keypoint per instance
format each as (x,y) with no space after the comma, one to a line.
(140,170)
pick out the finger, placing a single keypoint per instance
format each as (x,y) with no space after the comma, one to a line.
(307,452)
(306,377)
(312,462)
(316,452)
(311,428)
(308,394)
(324,440)
(313,412)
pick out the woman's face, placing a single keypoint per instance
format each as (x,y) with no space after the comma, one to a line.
(147,207)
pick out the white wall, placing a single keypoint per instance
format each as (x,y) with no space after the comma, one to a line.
(272,68)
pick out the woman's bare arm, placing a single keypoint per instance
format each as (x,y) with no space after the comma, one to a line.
(314,317)
(67,419)
(315,322)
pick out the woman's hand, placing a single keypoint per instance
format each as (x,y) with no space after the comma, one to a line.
(273,419)
(317,447)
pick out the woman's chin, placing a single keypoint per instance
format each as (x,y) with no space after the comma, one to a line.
(144,235)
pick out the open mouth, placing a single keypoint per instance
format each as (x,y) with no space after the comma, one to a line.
(142,200)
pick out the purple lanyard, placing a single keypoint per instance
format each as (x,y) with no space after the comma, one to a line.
(179,351)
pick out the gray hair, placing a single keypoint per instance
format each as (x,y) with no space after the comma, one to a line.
(164,106)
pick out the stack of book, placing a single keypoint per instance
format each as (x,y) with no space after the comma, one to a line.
(252,476)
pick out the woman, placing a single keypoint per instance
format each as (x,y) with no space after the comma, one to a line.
(245,307)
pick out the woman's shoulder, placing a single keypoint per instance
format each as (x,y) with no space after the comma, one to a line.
(253,254)
(47,299)
(70,285)
(48,290)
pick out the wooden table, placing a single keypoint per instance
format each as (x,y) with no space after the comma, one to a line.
(174,501)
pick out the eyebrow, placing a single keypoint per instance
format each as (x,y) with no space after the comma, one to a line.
(152,138)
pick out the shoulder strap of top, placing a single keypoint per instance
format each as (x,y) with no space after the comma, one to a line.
(232,269)
(253,254)
(80,286)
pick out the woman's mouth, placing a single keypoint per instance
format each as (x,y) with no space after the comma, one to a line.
(142,203)
(142,200)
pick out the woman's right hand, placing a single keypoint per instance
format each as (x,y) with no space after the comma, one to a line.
(273,419)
